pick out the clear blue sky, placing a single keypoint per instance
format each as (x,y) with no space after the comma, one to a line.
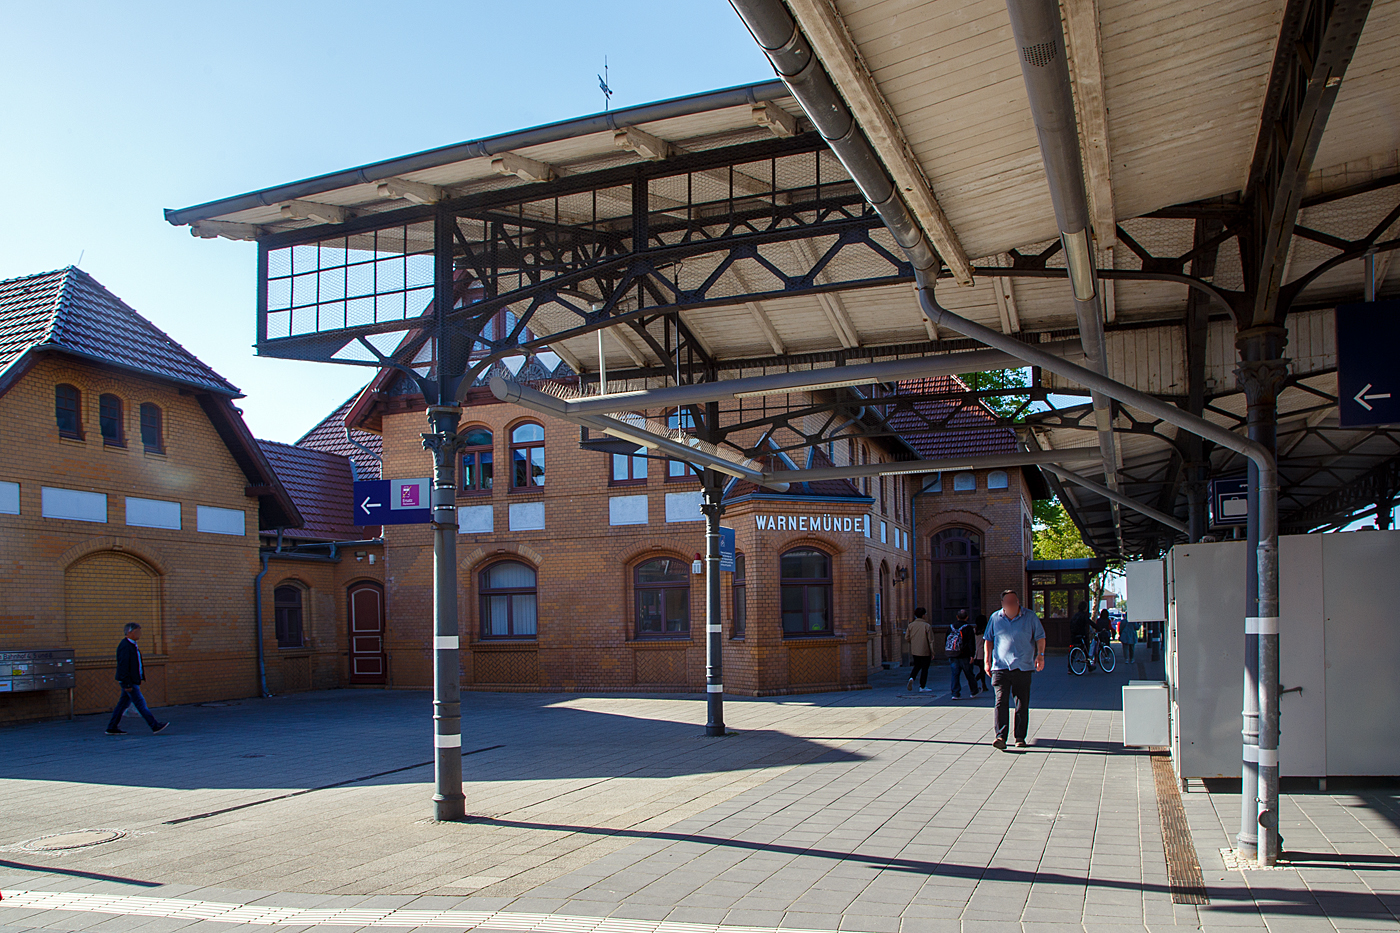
(113,111)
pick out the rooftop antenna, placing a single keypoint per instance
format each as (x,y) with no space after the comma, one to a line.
(603,85)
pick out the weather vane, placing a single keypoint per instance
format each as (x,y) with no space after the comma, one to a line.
(603,84)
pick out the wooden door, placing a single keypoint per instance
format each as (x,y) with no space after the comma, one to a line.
(367,660)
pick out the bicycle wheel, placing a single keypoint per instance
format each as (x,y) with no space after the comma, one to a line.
(1107,659)
(1078,661)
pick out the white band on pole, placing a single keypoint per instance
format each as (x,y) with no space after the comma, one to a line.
(445,641)
(1261,625)
(1251,753)
(447,741)
(1268,758)
(714,628)
(714,688)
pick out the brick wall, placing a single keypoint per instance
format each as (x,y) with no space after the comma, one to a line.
(201,647)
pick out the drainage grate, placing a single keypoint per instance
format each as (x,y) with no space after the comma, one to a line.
(76,839)
(1183,869)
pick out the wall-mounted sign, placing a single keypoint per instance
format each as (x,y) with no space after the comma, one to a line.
(392,502)
(849,524)
(726,549)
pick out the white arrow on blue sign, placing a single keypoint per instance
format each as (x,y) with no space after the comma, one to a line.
(1368,392)
(392,502)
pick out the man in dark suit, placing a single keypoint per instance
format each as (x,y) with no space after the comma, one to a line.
(130,674)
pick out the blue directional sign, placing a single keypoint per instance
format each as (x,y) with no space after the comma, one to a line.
(1368,379)
(392,502)
(726,549)
(1229,500)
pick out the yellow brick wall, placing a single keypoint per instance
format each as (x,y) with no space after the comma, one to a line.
(203,647)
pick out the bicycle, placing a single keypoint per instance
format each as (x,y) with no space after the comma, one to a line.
(1082,661)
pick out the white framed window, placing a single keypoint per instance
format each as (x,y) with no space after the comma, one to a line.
(9,498)
(997,479)
(212,520)
(153,513)
(73,504)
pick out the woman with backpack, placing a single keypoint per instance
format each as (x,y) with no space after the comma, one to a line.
(960,647)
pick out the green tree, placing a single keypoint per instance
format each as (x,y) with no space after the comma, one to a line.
(1007,406)
(1054,534)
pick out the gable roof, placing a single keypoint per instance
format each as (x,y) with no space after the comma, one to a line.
(940,429)
(328,436)
(69,311)
(321,485)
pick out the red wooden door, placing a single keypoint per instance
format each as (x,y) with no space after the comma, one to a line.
(367,662)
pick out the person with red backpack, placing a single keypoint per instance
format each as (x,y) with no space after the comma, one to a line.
(960,647)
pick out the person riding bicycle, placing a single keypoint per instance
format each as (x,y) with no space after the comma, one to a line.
(1079,629)
(1103,631)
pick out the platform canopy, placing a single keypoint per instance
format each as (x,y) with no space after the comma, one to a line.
(717,236)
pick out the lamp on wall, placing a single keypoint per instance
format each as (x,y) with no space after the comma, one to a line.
(901,574)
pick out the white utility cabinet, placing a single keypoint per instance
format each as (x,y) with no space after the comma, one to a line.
(1146,722)
(1339,641)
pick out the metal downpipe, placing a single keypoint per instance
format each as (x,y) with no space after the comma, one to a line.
(258,624)
(1040,44)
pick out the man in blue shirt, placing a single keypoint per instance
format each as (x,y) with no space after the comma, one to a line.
(1014,646)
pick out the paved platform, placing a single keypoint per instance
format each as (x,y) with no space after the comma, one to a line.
(873,811)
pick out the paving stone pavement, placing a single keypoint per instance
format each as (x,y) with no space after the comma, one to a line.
(875,811)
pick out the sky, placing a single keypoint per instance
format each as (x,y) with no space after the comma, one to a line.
(114,111)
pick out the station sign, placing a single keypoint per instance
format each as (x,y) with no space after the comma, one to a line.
(1368,381)
(1229,500)
(392,502)
(855,524)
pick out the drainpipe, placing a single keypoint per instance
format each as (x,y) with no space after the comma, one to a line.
(777,34)
(1041,43)
(258,621)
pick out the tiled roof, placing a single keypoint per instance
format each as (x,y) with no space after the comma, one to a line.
(970,431)
(320,484)
(834,488)
(329,437)
(69,311)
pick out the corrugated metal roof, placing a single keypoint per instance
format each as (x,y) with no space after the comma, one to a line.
(329,437)
(321,486)
(69,311)
(970,430)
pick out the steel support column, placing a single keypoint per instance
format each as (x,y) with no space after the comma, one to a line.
(1261,374)
(1197,464)
(712,506)
(449,803)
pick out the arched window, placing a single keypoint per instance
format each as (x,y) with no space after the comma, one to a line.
(527,455)
(663,597)
(109,417)
(964,482)
(152,428)
(508,601)
(806,592)
(680,420)
(68,411)
(477,466)
(956,580)
(997,479)
(286,607)
(739,586)
(104,591)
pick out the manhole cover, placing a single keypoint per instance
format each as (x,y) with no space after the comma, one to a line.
(77,839)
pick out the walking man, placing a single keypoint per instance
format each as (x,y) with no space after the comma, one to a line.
(130,674)
(962,646)
(1014,644)
(920,635)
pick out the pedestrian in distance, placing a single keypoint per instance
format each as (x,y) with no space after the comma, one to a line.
(961,647)
(920,636)
(130,674)
(979,668)
(1127,637)
(1014,645)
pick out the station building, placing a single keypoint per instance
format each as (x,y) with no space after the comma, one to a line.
(575,566)
(131,490)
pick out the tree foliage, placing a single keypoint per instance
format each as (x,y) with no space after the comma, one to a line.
(1054,534)
(1007,406)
